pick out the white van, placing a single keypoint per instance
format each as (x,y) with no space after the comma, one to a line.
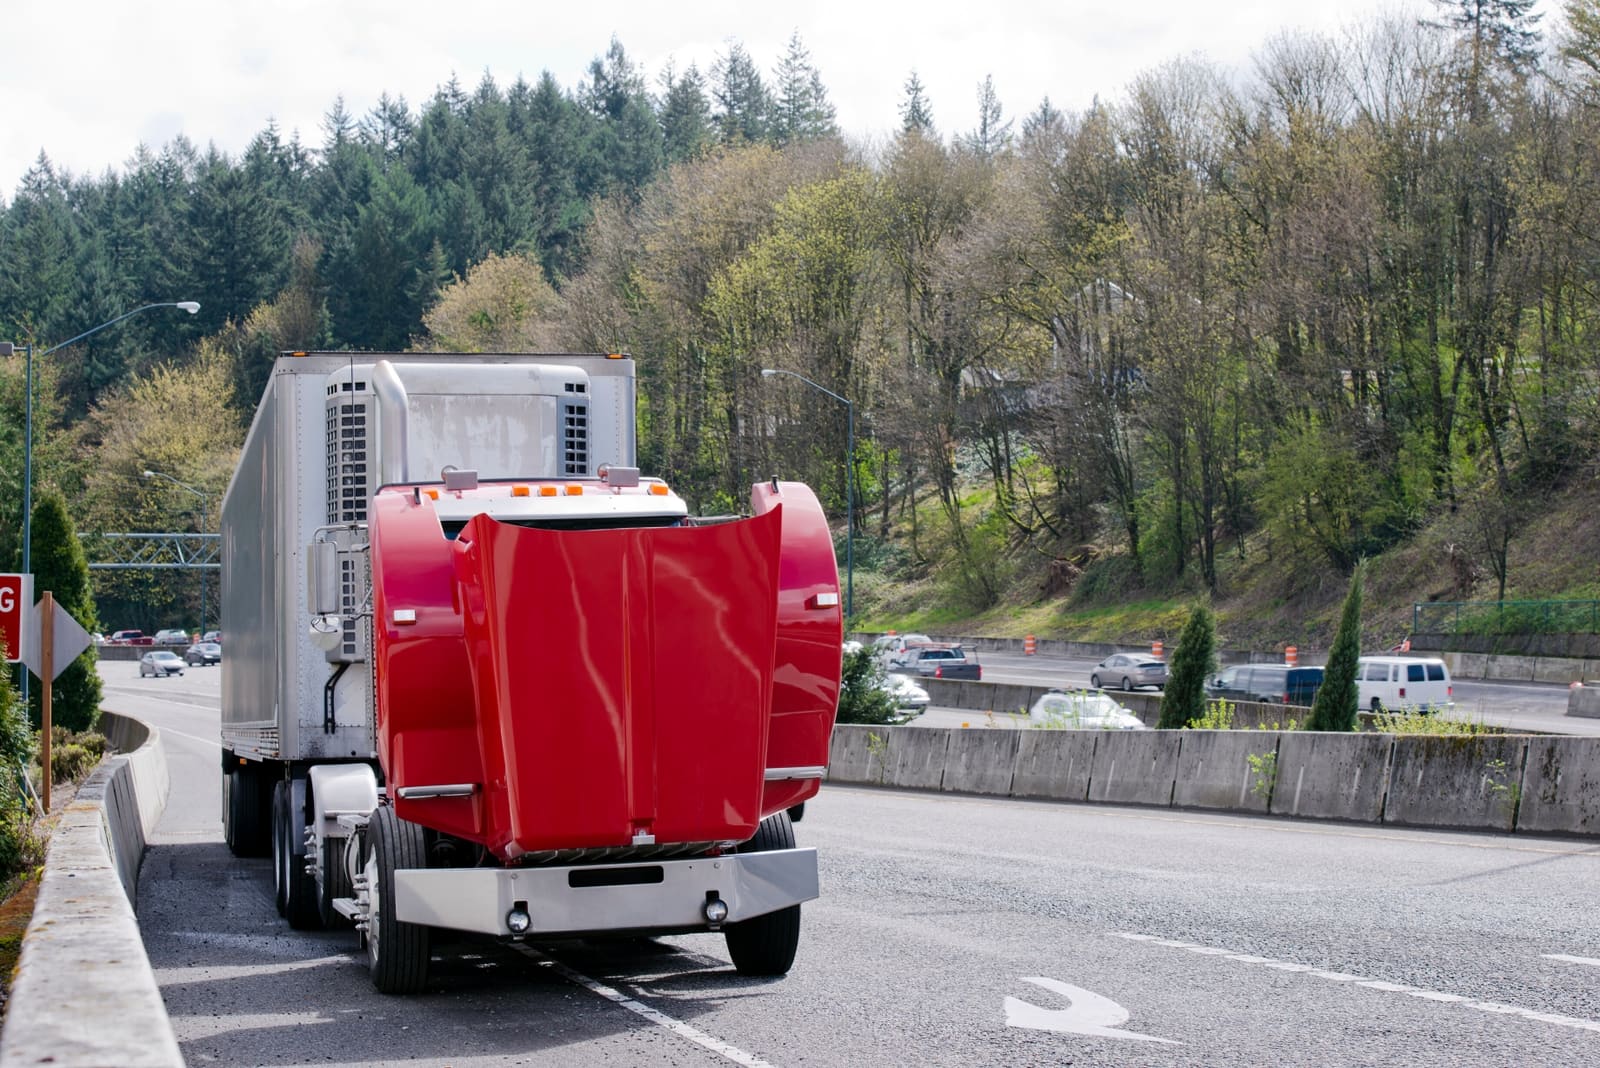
(1420,683)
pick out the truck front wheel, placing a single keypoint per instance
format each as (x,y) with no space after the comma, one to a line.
(397,953)
(297,892)
(766,945)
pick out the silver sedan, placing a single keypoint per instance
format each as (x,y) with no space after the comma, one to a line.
(1129,671)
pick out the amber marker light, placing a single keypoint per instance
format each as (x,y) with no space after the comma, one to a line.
(548,491)
(519,491)
(574,491)
(659,490)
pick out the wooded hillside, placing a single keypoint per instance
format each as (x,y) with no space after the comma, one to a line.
(1292,315)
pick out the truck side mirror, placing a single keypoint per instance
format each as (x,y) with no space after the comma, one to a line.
(322,578)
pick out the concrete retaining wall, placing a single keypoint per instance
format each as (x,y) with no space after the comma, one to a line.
(1584,701)
(1214,770)
(1331,776)
(83,993)
(1561,786)
(1455,781)
(1531,784)
(1134,767)
(1054,764)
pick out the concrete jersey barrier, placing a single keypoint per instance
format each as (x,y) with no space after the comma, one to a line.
(83,993)
(1506,783)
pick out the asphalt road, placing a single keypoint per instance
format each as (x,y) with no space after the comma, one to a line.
(1532,706)
(951,931)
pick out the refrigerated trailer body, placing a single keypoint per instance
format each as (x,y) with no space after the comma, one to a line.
(483,675)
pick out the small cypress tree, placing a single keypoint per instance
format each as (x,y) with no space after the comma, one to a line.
(60,566)
(1335,706)
(1185,698)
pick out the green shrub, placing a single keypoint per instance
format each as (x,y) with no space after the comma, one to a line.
(1410,721)
(1218,716)
(862,698)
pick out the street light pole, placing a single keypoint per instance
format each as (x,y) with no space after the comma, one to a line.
(205,511)
(849,484)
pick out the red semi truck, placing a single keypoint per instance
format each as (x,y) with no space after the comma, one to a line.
(484,676)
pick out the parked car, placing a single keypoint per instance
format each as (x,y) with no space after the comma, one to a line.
(172,636)
(130,637)
(939,662)
(887,647)
(203,654)
(908,696)
(212,636)
(1129,671)
(1082,710)
(160,664)
(1396,682)
(1274,684)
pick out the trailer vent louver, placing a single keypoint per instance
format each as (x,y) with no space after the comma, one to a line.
(349,486)
(575,439)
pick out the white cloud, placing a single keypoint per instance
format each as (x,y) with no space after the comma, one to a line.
(87,81)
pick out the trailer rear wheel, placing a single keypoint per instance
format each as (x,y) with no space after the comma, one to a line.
(397,953)
(766,945)
(245,824)
(297,891)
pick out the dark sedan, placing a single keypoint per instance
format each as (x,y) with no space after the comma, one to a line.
(203,654)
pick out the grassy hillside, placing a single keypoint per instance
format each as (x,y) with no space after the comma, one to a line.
(1266,598)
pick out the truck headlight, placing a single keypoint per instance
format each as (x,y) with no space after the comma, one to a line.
(518,921)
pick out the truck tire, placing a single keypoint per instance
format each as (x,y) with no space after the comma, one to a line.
(280,877)
(766,945)
(397,953)
(296,891)
(245,819)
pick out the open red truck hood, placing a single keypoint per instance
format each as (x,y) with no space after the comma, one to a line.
(602,689)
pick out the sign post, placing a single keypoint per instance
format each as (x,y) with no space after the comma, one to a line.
(47,631)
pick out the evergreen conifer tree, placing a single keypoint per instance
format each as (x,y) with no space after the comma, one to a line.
(1184,699)
(60,566)
(1335,706)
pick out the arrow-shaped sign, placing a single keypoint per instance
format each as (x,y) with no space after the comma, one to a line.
(1087,1013)
(67,640)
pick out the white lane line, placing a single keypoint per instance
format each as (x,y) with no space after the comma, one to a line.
(191,737)
(1496,1007)
(1570,959)
(661,1019)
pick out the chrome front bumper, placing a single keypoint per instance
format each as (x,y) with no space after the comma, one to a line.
(668,895)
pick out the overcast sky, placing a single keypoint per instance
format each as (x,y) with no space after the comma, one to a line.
(88,80)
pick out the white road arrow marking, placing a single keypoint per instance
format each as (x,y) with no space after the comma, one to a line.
(1087,1013)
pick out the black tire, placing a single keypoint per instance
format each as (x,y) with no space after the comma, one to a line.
(397,953)
(766,945)
(1127,685)
(797,812)
(246,813)
(280,866)
(1377,706)
(335,881)
(1094,680)
(297,891)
